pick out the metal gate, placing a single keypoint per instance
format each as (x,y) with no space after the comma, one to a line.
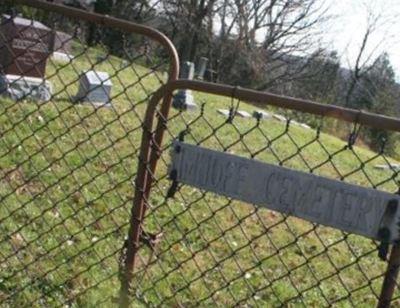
(67,165)
(202,249)
(71,168)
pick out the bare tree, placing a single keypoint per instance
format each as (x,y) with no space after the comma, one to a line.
(272,33)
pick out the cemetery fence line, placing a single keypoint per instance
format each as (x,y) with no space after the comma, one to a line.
(152,138)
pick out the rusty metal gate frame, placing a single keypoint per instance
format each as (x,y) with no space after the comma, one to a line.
(155,35)
(152,139)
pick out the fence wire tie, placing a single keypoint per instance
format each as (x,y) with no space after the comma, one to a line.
(384,232)
(356,129)
(150,239)
(232,109)
(173,175)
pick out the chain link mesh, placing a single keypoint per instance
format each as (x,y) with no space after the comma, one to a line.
(66,173)
(66,166)
(219,251)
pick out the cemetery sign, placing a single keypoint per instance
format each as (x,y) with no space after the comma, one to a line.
(344,206)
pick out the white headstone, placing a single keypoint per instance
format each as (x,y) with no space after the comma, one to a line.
(62,57)
(224,112)
(243,114)
(279,117)
(388,167)
(260,114)
(95,87)
(304,126)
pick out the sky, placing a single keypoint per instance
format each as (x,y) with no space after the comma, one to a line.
(348,25)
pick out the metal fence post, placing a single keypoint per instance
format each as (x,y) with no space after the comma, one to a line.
(391,275)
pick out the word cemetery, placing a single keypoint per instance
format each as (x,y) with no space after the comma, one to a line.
(344,206)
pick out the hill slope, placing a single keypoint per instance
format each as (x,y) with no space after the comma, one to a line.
(66,190)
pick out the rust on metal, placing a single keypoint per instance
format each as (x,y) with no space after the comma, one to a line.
(152,138)
(390,281)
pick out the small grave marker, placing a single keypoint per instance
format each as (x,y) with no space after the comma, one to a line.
(62,57)
(224,112)
(279,117)
(388,167)
(95,87)
(305,126)
(262,115)
(201,68)
(184,100)
(243,114)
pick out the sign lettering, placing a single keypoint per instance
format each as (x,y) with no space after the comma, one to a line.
(344,206)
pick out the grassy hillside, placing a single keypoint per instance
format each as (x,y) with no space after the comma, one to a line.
(66,174)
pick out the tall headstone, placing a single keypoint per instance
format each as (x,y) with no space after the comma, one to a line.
(184,100)
(202,68)
(95,88)
(25,46)
(62,42)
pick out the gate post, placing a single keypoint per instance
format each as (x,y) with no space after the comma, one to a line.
(391,275)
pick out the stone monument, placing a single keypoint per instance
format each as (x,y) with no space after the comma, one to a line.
(95,88)
(201,68)
(183,100)
(25,46)
(62,42)
(62,47)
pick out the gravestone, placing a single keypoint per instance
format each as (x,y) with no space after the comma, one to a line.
(243,114)
(62,47)
(305,126)
(201,68)
(388,167)
(184,100)
(62,42)
(279,117)
(25,46)
(262,115)
(62,57)
(95,88)
(240,113)
(224,112)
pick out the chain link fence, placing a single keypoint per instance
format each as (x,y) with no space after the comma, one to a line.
(69,147)
(74,140)
(214,250)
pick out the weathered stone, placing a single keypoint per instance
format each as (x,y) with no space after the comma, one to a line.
(187,70)
(243,114)
(62,57)
(184,100)
(202,68)
(224,112)
(25,46)
(262,115)
(279,117)
(62,42)
(305,126)
(94,87)
(19,88)
(388,167)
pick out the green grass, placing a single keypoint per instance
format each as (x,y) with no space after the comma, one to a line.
(66,191)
